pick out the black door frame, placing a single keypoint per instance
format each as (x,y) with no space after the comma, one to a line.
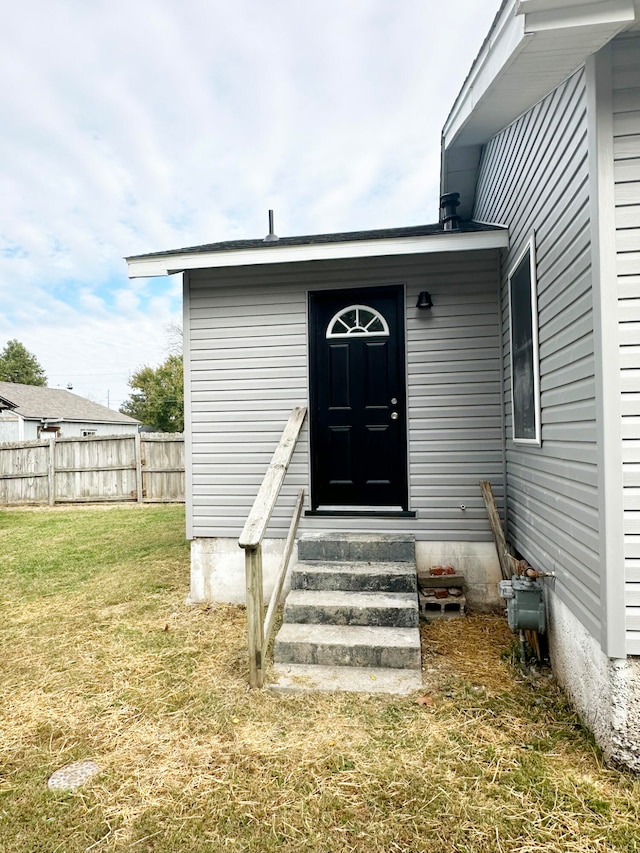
(358,295)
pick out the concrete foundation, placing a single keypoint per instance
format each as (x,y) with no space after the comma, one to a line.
(218,573)
(605,692)
(217,569)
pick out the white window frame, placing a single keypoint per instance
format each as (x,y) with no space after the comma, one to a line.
(530,251)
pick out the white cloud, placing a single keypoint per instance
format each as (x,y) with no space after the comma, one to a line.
(136,127)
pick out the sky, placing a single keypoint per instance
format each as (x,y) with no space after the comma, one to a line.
(135,126)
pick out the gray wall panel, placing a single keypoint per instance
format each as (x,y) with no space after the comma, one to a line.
(248,362)
(534,176)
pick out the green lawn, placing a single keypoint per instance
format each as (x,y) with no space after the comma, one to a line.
(102,659)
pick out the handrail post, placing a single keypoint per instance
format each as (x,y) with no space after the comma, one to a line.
(255,614)
(269,619)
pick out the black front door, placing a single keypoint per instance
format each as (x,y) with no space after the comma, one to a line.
(357,396)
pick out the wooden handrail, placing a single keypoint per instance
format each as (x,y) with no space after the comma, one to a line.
(258,628)
(265,501)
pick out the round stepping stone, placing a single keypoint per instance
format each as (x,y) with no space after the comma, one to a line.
(73,775)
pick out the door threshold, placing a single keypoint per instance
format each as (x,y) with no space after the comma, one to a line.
(348,512)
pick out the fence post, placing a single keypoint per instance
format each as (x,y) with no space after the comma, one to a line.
(255,614)
(51,470)
(138,455)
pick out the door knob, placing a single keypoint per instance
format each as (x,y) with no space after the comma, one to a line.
(394,416)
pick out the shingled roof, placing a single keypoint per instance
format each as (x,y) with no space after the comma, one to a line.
(467,227)
(57,404)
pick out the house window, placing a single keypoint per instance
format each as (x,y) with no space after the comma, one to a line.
(357,320)
(47,429)
(525,369)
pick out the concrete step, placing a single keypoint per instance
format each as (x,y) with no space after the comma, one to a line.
(356,576)
(337,607)
(357,546)
(305,678)
(348,645)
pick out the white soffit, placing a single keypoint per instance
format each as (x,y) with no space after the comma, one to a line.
(157,265)
(534,46)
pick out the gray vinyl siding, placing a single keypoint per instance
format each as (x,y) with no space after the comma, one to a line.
(248,369)
(626,149)
(534,178)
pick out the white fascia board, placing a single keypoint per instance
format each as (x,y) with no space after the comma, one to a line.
(427,244)
(524,7)
(503,43)
(515,30)
(540,16)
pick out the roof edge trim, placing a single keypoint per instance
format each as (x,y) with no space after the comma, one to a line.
(157,265)
(502,42)
(516,25)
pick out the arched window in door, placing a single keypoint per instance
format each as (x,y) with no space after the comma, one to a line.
(357,320)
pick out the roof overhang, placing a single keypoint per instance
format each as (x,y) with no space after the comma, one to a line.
(532,47)
(158,264)
(53,419)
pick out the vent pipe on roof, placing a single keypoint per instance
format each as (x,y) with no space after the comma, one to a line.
(271,237)
(448,216)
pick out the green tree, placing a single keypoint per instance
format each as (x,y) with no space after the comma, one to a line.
(17,364)
(158,396)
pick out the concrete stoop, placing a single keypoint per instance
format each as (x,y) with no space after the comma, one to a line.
(351,618)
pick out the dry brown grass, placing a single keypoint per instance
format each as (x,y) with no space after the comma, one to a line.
(114,666)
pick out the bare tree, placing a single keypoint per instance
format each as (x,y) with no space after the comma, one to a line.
(174,336)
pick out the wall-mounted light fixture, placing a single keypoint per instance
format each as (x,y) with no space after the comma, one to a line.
(424,300)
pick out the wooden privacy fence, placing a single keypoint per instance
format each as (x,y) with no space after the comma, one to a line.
(148,467)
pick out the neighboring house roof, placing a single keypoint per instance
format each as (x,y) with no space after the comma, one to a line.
(350,244)
(533,45)
(6,404)
(33,402)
